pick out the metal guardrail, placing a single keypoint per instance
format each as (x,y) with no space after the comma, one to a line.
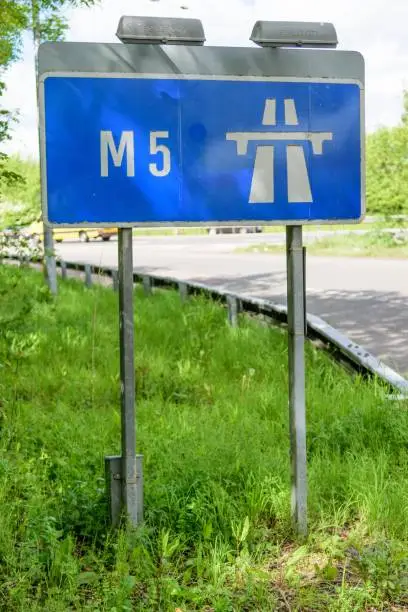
(348,353)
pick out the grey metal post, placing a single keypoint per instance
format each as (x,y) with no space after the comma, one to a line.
(113,475)
(63,269)
(50,265)
(297,402)
(233,310)
(304,287)
(183,291)
(147,284)
(130,480)
(88,275)
(115,280)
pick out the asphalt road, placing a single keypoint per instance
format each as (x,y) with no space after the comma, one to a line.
(365,298)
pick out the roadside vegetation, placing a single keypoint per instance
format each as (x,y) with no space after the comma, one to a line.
(20,199)
(213,428)
(375,243)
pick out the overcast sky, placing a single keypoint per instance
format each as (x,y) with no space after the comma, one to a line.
(376,28)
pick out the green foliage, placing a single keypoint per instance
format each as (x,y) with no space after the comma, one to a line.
(213,429)
(13,21)
(20,198)
(41,17)
(8,177)
(379,241)
(404,117)
(385,567)
(44,19)
(387,169)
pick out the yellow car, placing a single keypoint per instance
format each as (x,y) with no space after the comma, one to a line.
(84,234)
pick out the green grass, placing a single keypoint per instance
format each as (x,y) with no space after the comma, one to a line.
(168,231)
(269,229)
(349,227)
(373,244)
(213,428)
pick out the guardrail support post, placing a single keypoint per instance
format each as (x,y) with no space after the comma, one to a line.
(183,291)
(147,284)
(233,310)
(88,275)
(63,269)
(115,280)
(297,403)
(49,264)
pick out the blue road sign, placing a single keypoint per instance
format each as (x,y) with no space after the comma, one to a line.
(132,150)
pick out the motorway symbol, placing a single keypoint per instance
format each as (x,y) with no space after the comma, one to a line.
(263,179)
(134,150)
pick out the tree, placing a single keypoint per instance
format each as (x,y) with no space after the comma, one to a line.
(387,169)
(21,198)
(404,117)
(13,21)
(44,20)
(40,17)
(8,177)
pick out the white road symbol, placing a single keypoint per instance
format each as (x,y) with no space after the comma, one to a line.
(263,178)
